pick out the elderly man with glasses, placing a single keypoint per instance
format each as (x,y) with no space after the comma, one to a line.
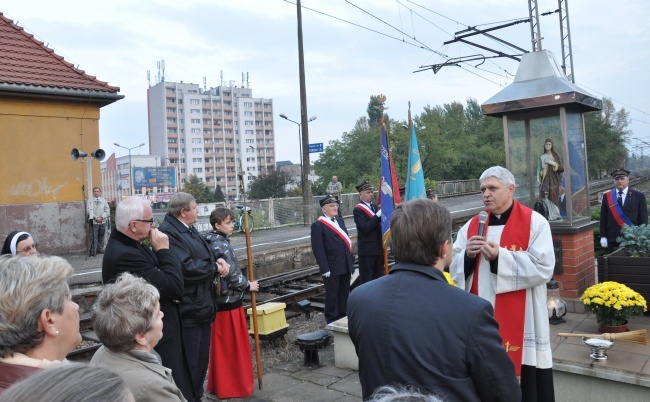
(158,265)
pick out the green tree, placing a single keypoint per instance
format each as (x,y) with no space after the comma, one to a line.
(218,194)
(606,133)
(374,114)
(198,189)
(274,184)
(353,158)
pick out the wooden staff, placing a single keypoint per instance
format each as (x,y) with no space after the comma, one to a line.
(385,260)
(639,336)
(251,277)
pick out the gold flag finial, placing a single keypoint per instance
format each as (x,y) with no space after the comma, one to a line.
(381,100)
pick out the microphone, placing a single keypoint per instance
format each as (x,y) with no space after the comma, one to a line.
(482,219)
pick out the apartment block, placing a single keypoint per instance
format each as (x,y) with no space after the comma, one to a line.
(212,133)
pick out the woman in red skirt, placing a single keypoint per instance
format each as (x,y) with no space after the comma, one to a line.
(230,373)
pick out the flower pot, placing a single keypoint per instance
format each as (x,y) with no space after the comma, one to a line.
(613,329)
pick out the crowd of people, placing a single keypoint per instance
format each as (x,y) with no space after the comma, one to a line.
(171,313)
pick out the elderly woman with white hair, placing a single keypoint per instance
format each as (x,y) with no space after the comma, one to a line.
(128,321)
(39,322)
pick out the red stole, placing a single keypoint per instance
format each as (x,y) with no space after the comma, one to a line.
(338,230)
(510,307)
(363,207)
(616,210)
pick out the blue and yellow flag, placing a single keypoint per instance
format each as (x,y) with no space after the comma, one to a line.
(387,186)
(415,179)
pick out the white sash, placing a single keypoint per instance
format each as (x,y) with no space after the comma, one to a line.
(365,209)
(338,230)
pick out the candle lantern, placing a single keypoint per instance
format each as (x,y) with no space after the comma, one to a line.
(555,305)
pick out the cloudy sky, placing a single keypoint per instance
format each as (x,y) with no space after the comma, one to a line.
(353,49)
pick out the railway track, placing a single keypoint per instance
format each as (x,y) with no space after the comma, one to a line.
(306,283)
(290,288)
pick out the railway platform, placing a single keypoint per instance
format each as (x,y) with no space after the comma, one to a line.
(625,375)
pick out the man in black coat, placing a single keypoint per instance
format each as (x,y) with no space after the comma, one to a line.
(367,217)
(412,328)
(621,205)
(199,270)
(333,251)
(160,267)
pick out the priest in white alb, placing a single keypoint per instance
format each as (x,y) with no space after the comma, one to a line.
(508,260)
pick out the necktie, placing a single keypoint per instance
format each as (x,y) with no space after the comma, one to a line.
(372,208)
(620,198)
(333,219)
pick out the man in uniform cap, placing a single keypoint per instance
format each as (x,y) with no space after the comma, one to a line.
(431,194)
(620,206)
(367,217)
(332,248)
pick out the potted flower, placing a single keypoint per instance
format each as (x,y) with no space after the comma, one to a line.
(635,240)
(629,264)
(613,304)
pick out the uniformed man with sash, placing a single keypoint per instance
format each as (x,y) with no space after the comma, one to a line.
(508,261)
(367,217)
(332,248)
(620,206)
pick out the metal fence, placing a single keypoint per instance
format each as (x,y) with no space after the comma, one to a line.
(278,212)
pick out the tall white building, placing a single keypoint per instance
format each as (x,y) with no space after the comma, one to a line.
(208,133)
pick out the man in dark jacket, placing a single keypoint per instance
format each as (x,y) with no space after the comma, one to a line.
(199,271)
(160,267)
(412,328)
(367,217)
(333,251)
(620,206)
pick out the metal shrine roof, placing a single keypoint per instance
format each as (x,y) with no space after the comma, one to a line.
(539,83)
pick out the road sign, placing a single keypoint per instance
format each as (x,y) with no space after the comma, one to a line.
(313,148)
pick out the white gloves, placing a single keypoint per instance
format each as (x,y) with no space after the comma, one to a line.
(378,213)
(327,274)
(603,241)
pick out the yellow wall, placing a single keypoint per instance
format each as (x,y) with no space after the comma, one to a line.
(35,162)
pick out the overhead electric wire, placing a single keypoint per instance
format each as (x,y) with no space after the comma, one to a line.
(362,27)
(617,101)
(426,47)
(451,35)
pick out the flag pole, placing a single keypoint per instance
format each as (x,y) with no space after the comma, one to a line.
(388,180)
(251,278)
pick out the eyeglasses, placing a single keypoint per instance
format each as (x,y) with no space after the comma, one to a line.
(28,248)
(150,221)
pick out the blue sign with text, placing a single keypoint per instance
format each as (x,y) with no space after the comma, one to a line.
(315,147)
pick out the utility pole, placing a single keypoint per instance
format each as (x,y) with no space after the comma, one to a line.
(306,184)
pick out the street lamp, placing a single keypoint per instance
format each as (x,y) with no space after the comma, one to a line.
(302,173)
(130,165)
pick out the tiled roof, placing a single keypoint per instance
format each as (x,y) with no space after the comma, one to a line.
(27,61)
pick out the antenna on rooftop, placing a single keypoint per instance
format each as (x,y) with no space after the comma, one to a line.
(149,77)
(242,79)
(162,62)
(205,88)
(221,74)
(247,82)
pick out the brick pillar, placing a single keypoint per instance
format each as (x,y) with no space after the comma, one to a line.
(578,270)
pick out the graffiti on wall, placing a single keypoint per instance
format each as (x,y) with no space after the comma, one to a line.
(36,188)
